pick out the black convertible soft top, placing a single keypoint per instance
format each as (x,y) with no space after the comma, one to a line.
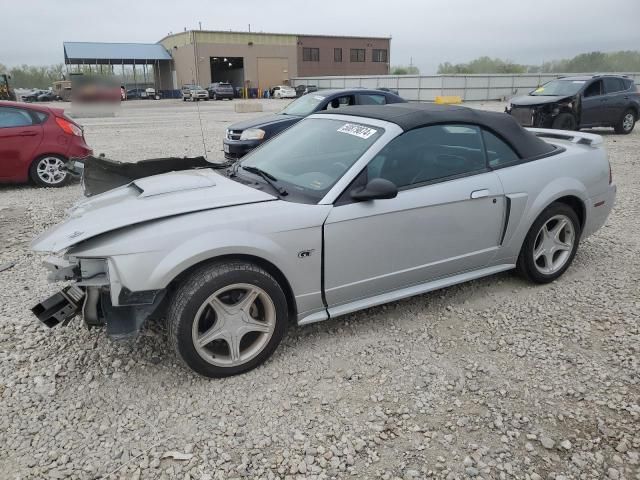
(413,115)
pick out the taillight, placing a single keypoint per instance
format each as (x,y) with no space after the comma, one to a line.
(69,127)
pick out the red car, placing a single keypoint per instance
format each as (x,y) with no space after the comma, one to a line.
(35,142)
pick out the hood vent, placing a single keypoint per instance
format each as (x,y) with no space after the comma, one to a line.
(173,182)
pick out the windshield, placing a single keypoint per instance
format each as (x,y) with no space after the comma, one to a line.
(559,88)
(310,157)
(303,106)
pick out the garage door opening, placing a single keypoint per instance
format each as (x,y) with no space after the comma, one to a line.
(228,69)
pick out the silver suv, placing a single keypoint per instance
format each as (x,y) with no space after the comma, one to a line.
(194,93)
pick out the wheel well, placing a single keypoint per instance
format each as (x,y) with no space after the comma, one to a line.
(261,262)
(576,205)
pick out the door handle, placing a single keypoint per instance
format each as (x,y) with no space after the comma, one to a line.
(480,193)
(28,134)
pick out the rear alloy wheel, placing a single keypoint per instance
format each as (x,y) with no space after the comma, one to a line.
(550,245)
(564,121)
(227,318)
(49,171)
(627,122)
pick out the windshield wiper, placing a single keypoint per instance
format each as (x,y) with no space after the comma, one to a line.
(267,177)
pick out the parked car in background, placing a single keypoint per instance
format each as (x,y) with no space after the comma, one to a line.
(48,96)
(220,91)
(135,94)
(194,93)
(244,136)
(283,91)
(572,103)
(304,89)
(35,143)
(344,211)
(385,89)
(33,95)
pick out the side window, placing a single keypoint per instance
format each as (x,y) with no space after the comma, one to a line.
(14,117)
(429,154)
(612,85)
(498,152)
(372,99)
(594,89)
(340,102)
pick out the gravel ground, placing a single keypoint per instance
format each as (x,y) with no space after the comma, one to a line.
(496,378)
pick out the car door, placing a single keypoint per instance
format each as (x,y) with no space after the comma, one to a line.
(446,219)
(594,108)
(616,98)
(20,135)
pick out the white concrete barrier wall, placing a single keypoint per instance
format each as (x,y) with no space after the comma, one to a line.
(425,88)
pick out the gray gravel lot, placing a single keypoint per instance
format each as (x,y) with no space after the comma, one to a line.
(496,378)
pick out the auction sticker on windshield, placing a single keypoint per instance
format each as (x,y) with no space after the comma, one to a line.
(357,130)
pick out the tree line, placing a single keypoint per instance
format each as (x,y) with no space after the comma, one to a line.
(31,76)
(622,61)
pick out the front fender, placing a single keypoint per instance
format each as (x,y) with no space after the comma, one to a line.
(203,247)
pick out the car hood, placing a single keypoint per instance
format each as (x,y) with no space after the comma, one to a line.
(146,199)
(527,100)
(265,121)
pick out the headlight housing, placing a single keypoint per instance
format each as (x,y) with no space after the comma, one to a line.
(252,134)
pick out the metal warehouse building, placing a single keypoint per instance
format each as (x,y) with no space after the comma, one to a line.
(245,59)
(263,60)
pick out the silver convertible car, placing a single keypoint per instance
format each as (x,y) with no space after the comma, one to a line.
(341,212)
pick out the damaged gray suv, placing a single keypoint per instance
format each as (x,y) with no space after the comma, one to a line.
(341,212)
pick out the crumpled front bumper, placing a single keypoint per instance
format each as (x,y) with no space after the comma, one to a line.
(90,297)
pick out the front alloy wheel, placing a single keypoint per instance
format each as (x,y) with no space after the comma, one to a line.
(233,325)
(227,318)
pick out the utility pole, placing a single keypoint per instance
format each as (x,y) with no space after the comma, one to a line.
(200,25)
(249,28)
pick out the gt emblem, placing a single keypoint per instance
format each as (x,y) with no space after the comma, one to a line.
(305,253)
(75,234)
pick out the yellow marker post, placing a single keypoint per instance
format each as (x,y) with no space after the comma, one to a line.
(448,99)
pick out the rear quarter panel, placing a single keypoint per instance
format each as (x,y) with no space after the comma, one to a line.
(580,171)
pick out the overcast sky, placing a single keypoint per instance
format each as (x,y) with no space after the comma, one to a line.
(429,31)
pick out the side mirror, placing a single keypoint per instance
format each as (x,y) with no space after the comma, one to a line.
(376,189)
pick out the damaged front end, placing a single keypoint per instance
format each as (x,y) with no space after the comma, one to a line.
(90,296)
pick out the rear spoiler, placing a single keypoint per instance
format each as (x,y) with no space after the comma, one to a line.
(574,137)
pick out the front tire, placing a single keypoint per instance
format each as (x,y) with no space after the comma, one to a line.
(565,121)
(626,123)
(49,171)
(227,318)
(551,244)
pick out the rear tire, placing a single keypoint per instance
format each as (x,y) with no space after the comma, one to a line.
(551,244)
(48,171)
(565,121)
(626,123)
(227,318)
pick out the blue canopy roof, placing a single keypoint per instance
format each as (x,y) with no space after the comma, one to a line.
(113,52)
